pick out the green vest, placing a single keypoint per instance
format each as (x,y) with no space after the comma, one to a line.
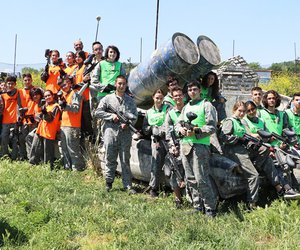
(238,128)
(294,121)
(253,127)
(108,74)
(174,115)
(156,117)
(169,99)
(198,109)
(273,123)
(205,94)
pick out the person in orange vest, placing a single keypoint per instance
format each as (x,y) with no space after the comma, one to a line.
(78,46)
(55,70)
(71,63)
(71,106)
(26,115)
(43,145)
(9,122)
(86,120)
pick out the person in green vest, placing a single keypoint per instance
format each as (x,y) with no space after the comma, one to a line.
(195,148)
(294,115)
(173,143)
(256,96)
(153,125)
(105,73)
(210,91)
(276,121)
(260,156)
(231,136)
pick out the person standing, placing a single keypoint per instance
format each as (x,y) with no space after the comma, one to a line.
(117,135)
(71,106)
(256,95)
(26,115)
(173,142)
(294,114)
(195,148)
(43,145)
(153,125)
(9,120)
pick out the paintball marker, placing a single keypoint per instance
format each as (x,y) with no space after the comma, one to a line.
(123,119)
(188,125)
(174,165)
(44,74)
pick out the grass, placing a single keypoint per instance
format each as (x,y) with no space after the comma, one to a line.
(40,209)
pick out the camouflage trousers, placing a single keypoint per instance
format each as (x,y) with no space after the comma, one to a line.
(70,149)
(195,160)
(118,145)
(240,155)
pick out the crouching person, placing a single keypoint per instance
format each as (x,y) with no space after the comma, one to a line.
(71,106)
(43,144)
(117,135)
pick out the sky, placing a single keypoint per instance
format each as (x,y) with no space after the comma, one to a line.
(264,31)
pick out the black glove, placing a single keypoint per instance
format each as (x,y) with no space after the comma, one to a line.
(31,119)
(44,110)
(62,104)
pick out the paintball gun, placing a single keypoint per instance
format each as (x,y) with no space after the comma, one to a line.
(174,165)
(124,119)
(44,74)
(188,125)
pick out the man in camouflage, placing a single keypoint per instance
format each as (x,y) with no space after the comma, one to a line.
(117,136)
(195,149)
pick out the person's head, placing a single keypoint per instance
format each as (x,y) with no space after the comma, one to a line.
(70,58)
(172,82)
(66,83)
(36,94)
(121,84)
(97,49)
(194,89)
(271,99)
(256,94)
(80,57)
(251,109)
(296,101)
(158,97)
(27,80)
(78,45)
(210,80)
(239,109)
(54,55)
(11,82)
(112,53)
(2,86)
(49,96)
(177,95)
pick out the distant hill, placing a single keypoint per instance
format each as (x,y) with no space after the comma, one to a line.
(8,67)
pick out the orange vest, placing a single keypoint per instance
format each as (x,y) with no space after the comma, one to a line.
(51,83)
(70,70)
(71,119)
(10,108)
(27,102)
(78,79)
(49,130)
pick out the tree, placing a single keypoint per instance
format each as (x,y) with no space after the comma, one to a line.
(285,83)
(254,66)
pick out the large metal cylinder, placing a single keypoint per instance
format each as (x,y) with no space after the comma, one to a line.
(209,58)
(176,57)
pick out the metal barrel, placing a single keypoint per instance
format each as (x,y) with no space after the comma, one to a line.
(177,57)
(209,57)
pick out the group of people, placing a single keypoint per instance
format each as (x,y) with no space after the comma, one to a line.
(88,97)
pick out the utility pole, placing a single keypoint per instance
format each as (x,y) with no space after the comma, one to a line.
(156,27)
(141,50)
(15,54)
(295,51)
(233,48)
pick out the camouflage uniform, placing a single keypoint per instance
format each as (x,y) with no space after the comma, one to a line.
(236,151)
(117,141)
(196,156)
(70,139)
